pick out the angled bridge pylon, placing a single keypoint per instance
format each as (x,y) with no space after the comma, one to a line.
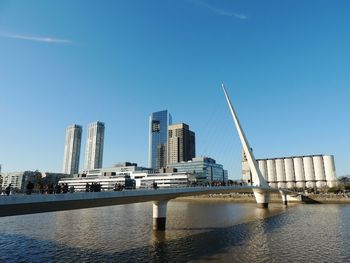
(262,195)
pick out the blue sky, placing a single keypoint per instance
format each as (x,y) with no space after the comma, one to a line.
(285,64)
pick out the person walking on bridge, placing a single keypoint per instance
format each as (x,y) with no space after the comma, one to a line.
(30,187)
(8,189)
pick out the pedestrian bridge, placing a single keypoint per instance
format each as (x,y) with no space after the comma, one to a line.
(37,203)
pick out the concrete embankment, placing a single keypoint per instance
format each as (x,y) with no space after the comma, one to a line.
(274,198)
(331,198)
(232,197)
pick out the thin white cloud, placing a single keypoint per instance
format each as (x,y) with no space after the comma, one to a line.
(219,11)
(50,40)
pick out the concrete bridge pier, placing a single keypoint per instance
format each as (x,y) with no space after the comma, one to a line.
(159,215)
(284,198)
(262,198)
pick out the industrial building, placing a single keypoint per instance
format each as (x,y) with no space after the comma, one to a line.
(308,171)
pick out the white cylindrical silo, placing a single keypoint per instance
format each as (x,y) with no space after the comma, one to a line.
(299,172)
(263,168)
(309,172)
(280,173)
(271,172)
(329,168)
(289,169)
(320,176)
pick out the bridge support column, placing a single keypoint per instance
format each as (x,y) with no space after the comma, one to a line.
(284,198)
(159,215)
(262,198)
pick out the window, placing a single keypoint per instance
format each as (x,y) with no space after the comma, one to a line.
(155,126)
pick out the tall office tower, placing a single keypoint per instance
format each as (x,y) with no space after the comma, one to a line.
(158,139)
(94,145)
(72,149)
(181,143)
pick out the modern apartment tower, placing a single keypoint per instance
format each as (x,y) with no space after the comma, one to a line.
(94,145)
(158,138)
(181,143)
(72,149)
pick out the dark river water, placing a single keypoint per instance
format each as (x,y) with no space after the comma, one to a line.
(197,231)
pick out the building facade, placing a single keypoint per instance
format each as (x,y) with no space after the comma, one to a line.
(94,145)
(205,169)
(121,168)
(72,149)
(181,143)
(158,139)
(310,171)
(121,173)
(18,180)
(138,180)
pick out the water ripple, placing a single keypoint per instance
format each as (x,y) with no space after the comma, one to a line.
(196,232)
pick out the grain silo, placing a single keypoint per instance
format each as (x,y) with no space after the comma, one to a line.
(329,168)
(280,173)
(290,175)
(299,172)
(309,172)
(320,176)
(263,168)
(271,171)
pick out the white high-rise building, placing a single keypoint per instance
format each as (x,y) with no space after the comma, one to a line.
(94,145)
(72,149)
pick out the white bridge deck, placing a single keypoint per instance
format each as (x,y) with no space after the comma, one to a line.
(38,203)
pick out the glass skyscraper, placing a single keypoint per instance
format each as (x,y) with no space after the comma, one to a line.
(158,137)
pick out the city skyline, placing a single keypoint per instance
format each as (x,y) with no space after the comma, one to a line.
(284,65)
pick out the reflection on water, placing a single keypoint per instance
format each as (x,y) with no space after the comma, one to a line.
(197,231)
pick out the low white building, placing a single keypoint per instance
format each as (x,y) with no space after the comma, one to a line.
(168,180)
(131,180)
(126,167)
(107,182)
